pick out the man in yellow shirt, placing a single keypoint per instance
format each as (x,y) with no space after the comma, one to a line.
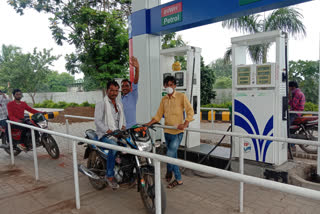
(172,107)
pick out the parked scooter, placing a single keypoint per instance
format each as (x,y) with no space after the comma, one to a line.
(41,139)
(305,128)
(129,169)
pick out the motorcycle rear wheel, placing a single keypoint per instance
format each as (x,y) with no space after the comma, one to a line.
(310,134)
(97,164)
(51,146)
(16,151)
(147,193)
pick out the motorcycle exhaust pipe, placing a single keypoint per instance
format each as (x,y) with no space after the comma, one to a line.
(84,170)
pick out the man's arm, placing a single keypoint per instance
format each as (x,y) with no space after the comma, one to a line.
(158,116)
(134,62)
(189,112)
(29,109)
(99,119)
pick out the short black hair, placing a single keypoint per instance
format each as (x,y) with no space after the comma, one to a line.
(293,84)
(169,79)
(16,91)
(126,80)
(112,82)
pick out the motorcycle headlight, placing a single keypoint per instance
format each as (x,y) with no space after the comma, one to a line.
(43,124)
(144,146)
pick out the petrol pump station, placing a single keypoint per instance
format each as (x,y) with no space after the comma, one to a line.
(260,99)
(188,82)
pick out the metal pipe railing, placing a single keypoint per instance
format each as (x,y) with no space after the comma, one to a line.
(309,193)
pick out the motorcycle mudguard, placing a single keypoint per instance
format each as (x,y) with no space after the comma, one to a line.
(86,153)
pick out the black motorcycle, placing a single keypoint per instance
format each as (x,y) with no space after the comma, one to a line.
(129,169)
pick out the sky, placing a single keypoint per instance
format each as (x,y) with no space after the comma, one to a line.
(31,30)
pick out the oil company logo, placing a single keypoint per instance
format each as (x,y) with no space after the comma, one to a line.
(171,14)
(246,147)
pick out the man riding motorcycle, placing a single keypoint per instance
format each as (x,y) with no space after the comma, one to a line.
(108,117)
(16,110)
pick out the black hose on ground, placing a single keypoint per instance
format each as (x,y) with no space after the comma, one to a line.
(206,156)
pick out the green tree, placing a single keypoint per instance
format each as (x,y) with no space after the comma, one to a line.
(223,82)
(57,82)
(306,73)
(97,29)
(221,69)
(89,84)
(207,81)
(286,19)
(171,40)
(27,71)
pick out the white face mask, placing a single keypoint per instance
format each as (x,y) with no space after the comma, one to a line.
(169,90)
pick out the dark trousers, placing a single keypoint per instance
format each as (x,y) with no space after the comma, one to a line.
(4,124)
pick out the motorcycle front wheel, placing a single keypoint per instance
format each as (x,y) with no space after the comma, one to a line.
(16,151)
(51,146)
(147,193)
(310,134)
(97,165)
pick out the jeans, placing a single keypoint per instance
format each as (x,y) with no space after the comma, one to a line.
(4,124)
(111,157)
(173,142)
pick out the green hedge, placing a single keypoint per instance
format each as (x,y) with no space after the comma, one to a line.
(61,104)
(307,107)
(212,105)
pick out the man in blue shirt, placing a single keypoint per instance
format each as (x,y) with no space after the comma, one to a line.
(130,95)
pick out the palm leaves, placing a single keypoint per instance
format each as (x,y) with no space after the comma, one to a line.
(285,19)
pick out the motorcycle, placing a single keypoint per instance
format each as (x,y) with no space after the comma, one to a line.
(39,120)
(129,169)
(305,128)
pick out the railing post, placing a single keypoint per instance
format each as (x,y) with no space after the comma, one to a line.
(67,132)
(75,174)
(212,117)
(10,143)
(35,158)
(157,178)
(241,170)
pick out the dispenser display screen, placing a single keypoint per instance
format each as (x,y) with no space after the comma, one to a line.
(243,75)
(263,75)
(179,78)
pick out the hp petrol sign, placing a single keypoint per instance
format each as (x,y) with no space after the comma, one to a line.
(171,14)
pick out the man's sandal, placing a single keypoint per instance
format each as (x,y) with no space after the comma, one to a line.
(174,184)
(169,176)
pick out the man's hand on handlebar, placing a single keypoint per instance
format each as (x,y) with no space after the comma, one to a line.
(109,131)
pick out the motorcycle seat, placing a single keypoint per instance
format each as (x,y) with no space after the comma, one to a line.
(300,120)
(91,134)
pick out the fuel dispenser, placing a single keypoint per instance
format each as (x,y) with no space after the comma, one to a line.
(259,96)
(188,82)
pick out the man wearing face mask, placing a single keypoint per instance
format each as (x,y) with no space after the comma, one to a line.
(172,107)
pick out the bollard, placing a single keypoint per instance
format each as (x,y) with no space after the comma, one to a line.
(35,158)
(157,178)
(10,143)
(241,170)
(75,174)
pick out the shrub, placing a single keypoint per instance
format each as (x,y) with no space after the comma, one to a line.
(72,105)
(61,104)
(309,106)
(85,104)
